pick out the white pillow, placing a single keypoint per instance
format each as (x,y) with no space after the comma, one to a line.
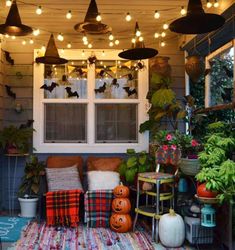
(63,178)
(100,180)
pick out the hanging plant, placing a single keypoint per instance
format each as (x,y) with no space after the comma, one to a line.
(194,67)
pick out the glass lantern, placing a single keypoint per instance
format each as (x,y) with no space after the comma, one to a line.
(208,216)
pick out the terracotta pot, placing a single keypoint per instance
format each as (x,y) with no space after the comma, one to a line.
(203,192)
(194,67)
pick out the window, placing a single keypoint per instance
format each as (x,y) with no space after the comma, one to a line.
(90,107)
(220,80)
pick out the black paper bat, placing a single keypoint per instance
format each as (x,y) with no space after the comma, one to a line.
(228,72)
(91,60)
(49,73)
(139,66)
(130,91)
(8,58)
(102,73)
(129,77)
(70,93)
(101,89)
(28,124)
(49,88)
(115,82)
(10,92)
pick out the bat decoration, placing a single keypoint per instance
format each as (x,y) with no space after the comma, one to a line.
(10,92)
(130,77)
(115,82)
(49,73)
(49,88)
(70,93)
(102,73)
(91,60)
(228,72)
(28,124)
(139,66)
(64,78)
(79,71)
(101,89)
(130,91)
(8,58)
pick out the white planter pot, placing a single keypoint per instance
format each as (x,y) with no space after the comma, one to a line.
(28,207)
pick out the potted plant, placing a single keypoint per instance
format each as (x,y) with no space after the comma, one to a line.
(29,187)
(134,164)
(15,140)
(218,168)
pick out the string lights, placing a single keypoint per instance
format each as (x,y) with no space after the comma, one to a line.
(69,14)
(156,14)
(39,10)
(216,4)
(208,4)
(128,17)
(183,11)
(98,18)
(8,3)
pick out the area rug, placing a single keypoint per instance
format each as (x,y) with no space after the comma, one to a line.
(39,236)
(11,227)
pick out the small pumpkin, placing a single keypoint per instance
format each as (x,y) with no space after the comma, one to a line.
(121,205)
(120,223)
(121,191)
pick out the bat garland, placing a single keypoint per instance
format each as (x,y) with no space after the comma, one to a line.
(50,87)
(130,91)
(10,92)
(70,93)
(28,124)
(8,58)
(101,89)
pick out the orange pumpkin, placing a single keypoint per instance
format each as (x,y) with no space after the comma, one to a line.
(120,223)
(121,205)
(121,191)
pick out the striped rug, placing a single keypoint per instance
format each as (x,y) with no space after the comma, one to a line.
(41,237)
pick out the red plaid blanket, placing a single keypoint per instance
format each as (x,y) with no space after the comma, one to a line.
(62,208)
(98,207)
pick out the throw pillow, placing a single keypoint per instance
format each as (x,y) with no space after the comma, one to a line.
(63,178)
(102,180)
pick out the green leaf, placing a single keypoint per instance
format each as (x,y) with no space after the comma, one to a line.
(163,97)
(130,175)
(122,169)
(142,159)
(131,162)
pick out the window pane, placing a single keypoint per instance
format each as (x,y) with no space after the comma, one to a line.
(116,123)
(69,81)
(65,122)
(116,80)
(221,77)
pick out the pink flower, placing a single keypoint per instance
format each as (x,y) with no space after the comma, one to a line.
(168,137)
(173,147)
(194,143)
(165,147)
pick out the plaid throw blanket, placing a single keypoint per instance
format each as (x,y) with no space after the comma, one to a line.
(98,207)
(62,208)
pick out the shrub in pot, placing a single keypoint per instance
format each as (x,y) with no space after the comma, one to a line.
(29,187)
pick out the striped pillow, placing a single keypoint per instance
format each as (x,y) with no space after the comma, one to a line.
(63,178)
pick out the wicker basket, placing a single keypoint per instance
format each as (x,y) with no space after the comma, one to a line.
(189,166)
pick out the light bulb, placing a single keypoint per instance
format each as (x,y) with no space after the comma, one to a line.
(62,51)
(156,14)
(156,35)
(85,42)
(31,41)
(60,37)
(89,45)
(116,42)
(43,48)
(133,40)
(69,14)
(23,42)
(128,17)
(7,36)
(13,37)
(83,53)
(69,45)
(183,11)
(83,62)
(111,37)
(216,4)
(163,44)
(103,54)
(98,18)
(111,44)
(141,39)
(165,26)
(208,4)
(138,33)
(84,38)
(39,10)
(8,3)
(36,32)
(163,34)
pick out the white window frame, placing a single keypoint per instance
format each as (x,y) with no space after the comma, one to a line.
(207,78)
(90,146)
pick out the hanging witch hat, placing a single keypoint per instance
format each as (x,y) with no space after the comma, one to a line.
(196,21)
(138,50)
(13,25)
(90,24)
(51,54)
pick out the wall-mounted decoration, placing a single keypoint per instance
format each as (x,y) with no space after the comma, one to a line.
(49,88)
(194,67)
(28,124)
(10,92)
(92,60)
(71,93)
(8,57)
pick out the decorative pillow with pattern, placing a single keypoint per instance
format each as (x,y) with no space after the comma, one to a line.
(63,178)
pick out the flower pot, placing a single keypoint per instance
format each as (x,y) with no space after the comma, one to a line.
(189,166)
(28,207)
(202,191)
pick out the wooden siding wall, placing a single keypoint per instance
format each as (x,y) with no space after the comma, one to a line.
(20,77)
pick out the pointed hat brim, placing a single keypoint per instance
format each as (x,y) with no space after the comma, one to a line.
(51,60)
(94,28)
(21,30)
(138,53)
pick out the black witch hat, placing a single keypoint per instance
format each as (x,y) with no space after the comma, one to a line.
(90,24)
(138,52)
(51,54)
(13,25)
(196,21)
